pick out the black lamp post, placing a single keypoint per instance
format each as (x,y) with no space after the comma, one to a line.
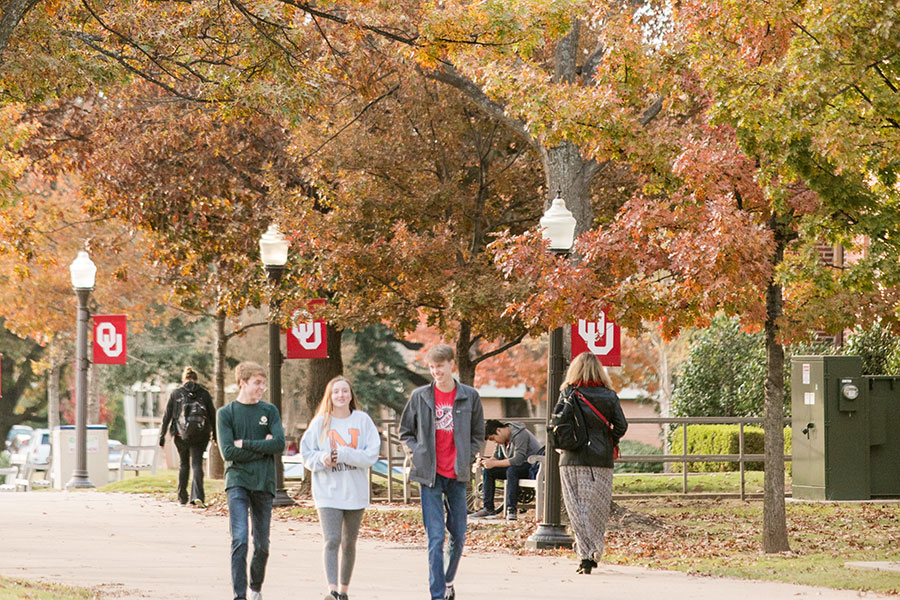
(273,250)
(557,226)
(83,272)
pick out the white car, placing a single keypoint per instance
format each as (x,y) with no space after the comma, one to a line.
(37,452)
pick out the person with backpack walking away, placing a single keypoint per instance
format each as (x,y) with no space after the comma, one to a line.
(191,419)
(339,445)
(251,439)
(587,424)
(442,429)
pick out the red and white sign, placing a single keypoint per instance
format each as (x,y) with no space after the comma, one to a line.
(308,339)
(110,339)
(601,337)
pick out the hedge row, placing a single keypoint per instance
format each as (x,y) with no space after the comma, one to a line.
(635,448)
(721,439)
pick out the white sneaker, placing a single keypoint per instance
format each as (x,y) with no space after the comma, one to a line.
(255,595)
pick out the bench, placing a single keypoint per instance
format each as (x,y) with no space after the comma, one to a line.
(9,476)
(21,477)
(137,459)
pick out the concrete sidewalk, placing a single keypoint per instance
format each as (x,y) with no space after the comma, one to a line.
(130,547)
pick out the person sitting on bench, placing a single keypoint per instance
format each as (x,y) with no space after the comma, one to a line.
(509,461)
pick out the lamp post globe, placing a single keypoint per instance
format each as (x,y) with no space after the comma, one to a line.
(273,247)
(558,227)
(83,272)
(273,250)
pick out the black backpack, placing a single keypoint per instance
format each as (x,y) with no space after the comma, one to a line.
(567,425)
(193,420)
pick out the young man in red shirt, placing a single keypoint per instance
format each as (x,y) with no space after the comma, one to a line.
(442,428)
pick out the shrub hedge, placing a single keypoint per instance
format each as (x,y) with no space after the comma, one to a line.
(635,448)
(721,439)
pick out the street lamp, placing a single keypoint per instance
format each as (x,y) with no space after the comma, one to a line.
(83,272)
(558,227)
(273,249)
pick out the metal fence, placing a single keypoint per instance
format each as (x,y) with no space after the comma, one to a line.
(398,488)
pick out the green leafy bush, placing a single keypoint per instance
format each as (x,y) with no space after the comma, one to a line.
(634,448)
(721,439)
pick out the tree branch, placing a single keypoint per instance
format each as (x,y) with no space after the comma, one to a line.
(448,74)
(241,330)
(499,350)
(351,122)
(13,13)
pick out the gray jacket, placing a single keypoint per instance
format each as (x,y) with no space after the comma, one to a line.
(522,444)
(417,432)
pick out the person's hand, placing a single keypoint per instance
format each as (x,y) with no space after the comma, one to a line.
(238,443)
(268,436)
(329,460)
(489,463)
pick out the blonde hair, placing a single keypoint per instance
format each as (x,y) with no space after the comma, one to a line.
(189,374)
(326,407)
(440,353)
(586,369)
(247,369)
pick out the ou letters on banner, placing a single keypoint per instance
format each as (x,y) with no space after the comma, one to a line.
(308,339)
(110,339)
(601,337)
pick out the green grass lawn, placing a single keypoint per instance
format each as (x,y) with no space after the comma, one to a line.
(164,483)
(670,483)
(15,589)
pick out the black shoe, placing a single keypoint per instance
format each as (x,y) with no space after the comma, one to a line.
(449,592)
(484,512)
(586,566)
(511,515)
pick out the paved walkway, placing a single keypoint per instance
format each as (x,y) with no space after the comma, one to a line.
(131,547)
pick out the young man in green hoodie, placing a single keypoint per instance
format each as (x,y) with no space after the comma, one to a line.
(251,438)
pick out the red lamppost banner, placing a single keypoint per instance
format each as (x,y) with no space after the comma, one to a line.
(110,339)
(601,337)
(308,339)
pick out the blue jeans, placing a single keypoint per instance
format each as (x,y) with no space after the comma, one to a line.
(242,501)
(512,475)
(443,504)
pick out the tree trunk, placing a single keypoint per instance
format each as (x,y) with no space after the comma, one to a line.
(53,376)
(665,388)
(566,171)
(775,537)
(216,464)
(323,370)
(464,361)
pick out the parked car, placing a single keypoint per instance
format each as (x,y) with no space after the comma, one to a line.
(16,438)
(37,452)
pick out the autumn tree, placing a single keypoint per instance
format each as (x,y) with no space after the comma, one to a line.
(408,200)
(195,184)
(731,212)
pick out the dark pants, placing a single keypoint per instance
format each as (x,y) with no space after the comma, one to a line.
(242,501)
(443,505)
(512,475)
(190,456)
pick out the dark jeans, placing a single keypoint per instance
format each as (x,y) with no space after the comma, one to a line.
(512,475)
(443,505)
(242,501)
(190,456)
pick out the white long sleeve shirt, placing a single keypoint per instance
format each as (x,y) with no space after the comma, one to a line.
(358,445)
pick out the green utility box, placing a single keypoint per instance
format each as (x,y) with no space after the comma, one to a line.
(844,438)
